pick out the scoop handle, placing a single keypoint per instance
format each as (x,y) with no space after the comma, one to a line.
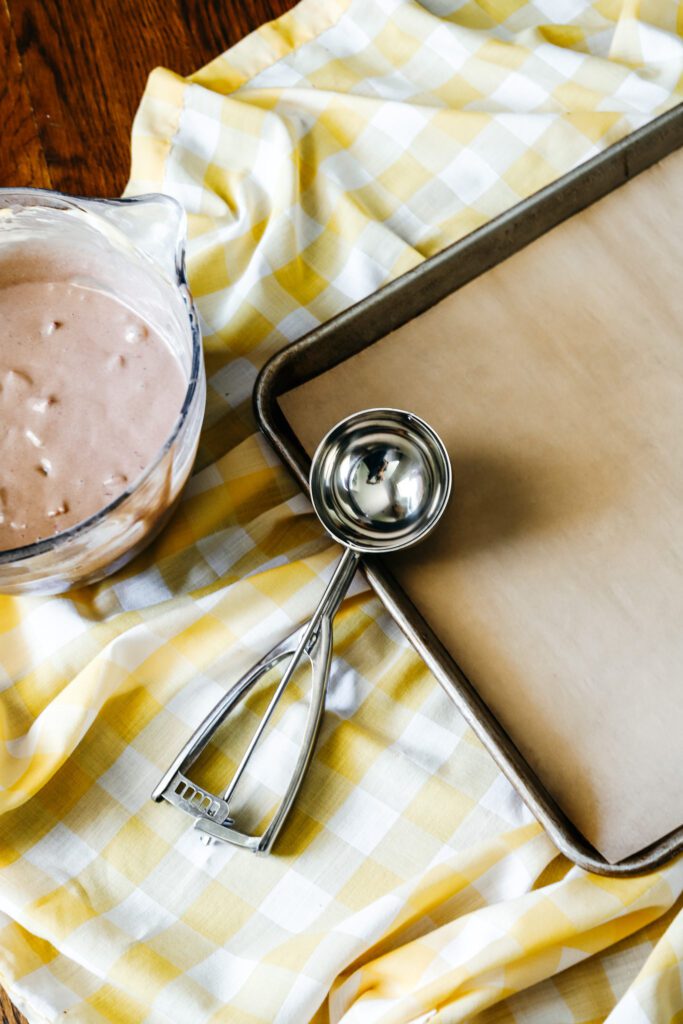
(313,642)
(210,811)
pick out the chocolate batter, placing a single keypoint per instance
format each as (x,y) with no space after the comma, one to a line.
(88,394)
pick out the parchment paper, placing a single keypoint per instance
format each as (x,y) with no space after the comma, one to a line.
(556,578)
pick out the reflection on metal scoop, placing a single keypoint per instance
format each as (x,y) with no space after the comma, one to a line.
(379,482)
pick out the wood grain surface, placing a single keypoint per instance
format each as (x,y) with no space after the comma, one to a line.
(71,77)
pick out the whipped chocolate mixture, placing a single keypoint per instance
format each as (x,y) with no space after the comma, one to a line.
(88,394)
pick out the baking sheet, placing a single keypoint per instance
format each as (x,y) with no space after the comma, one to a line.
(556,580)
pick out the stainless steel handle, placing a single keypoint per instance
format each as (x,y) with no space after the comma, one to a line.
(313,641)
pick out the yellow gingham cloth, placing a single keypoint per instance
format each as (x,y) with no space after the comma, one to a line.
(323,155)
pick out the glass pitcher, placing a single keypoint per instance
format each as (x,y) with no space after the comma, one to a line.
(136,252)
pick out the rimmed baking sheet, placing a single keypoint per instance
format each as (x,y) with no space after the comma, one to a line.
(548,603)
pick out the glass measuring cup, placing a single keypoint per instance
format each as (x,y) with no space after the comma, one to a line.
(136,253)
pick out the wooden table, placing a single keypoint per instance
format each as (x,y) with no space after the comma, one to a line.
(71,77)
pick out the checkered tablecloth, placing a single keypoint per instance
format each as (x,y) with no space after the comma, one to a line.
(323,155)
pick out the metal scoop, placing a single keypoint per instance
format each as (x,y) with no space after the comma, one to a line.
(379,482)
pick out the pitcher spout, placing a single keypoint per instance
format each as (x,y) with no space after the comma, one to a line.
(155,225)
